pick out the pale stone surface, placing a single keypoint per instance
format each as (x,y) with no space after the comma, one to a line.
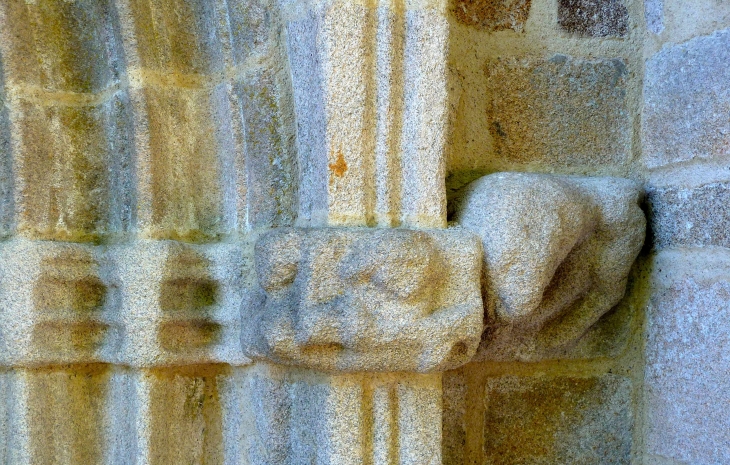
(682,21)
(352,300)
(492,15)
(65,47)
(562,111)
(558,420)
(687,363)
(654,15)
(176,119)
(690,216)
(253,26)
(594,18)
(302,416)
(352,65)
(686,102)
(270,159)
(557,254)
(141,304)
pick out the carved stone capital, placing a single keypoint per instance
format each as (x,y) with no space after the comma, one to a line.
(366,299)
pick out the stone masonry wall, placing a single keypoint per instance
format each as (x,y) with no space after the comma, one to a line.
(146,145)
(631,88)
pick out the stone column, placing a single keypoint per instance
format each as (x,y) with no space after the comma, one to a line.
(370,92)
(355,327)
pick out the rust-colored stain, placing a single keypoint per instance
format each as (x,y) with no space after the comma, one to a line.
(339,167)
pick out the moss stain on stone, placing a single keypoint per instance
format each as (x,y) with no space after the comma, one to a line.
(67,413)
(186,414)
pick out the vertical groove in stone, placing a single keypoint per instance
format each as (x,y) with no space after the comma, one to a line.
(212,118)
(264,124)
(348,46)
(389,121)
(7,202)
(6,430)
(309,100)
(66,413)
(182,113)
(68,121)
(425,119)
(186,420)
(270,159)
(371,101)
(304,416)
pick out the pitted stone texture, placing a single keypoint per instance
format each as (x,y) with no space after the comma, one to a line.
(185,150)
(686,102)
(270,178)
(687,387)
(180,303)
(562,111)
(182,37)
(374,300)
(566,420)
(557,254)
(7,204)
(100,413)
(60,302)
(594,18)
(298,416)
(492,15)
(140,304)
(690,216)
(73,169)
(654,15)
(370,92)
(54,46)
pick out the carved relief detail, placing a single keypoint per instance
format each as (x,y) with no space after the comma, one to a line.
(373,300)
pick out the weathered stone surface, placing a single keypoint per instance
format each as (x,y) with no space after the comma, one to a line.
(75,397)
(302,416)
(686,377)
(594,18)
(690,217)
(183,36)
(183,144)
(7,204)
(61,46)
(73,169)
(454,421)
(185,414)
(558,420)
(181,303)
(349,300)
(557,254)
(138,304)
(492,15)
(371,150)
(559,112)
(686,102)
(270,159)
(654,15)
(253,25)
